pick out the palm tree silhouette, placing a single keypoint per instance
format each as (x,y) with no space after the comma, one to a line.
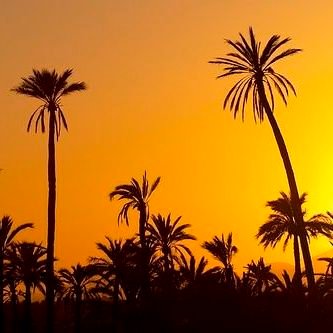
(7,235)
(118,270)
(282,223)
(137,197)
(11,291)
(49,87)
(116,267)
(259,79)
(167,237)
(193,273)
(77,286)
(223,251)
(260,277)
(29,263)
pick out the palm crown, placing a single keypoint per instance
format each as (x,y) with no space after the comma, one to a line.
(137,196)
(282,223)
(167,235)
(7,234)
(255,65)
(49,87)
(77,281)
(222,250)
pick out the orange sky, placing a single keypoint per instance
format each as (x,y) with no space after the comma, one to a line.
(153,104)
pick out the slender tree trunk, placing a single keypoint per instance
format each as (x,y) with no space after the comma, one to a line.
(294,196)
(2,317)
(27,310)
(144,254)
(77,314)
(51,225)
(115,305)
(298,273)
(14,301)
(167,274)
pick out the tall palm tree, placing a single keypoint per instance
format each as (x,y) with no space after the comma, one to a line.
(168,237)
(7,235)
(137,197)
(282,223)
(78,283)
(29,262)
(223,250)
(49,87)
(257,83)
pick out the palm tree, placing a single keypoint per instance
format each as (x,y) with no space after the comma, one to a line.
(49,87)
(223,251)
(7,235)
(11,291)
(260,277)
(118,269)
(257,83)
(116,266)
(137,197)
(29,262)
(78,283)
(193,273)
(282,223)
(167,237)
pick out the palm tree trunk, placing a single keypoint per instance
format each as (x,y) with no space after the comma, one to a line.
(27,305)
(115,305)
(77,314)
(298,276)
(294,196)
(51,224)
(14,301)
(142,225)
(144,255)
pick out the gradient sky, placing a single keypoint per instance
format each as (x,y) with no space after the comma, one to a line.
(153,104)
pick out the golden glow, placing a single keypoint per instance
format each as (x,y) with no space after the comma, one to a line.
(153,104)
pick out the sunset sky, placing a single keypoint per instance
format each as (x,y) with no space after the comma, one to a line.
(153,104)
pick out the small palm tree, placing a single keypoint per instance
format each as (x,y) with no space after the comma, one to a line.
(168,237)
(282,223)
(49,87)
(12,293)
(116,267)
(193,273)
(223,251)
(137,197)
(77,286)
(29,263)
(119,271)
(260,277)
(7,235)
(258,80)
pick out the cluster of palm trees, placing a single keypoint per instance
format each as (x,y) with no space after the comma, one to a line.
(131,272)
(156,260)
